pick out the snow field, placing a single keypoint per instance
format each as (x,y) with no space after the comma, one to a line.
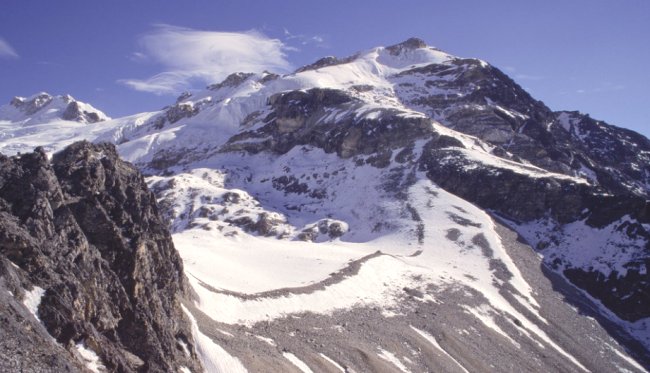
(380,279)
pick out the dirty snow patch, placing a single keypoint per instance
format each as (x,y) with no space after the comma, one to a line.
(484,314)
(214,358)
(628,359)
(337,365)
(391,358)
(266,340)
(33,300)
(184,346)
(297,362)
(431,339)
(90,359)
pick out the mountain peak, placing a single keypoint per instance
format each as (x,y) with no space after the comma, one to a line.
(232,80)
(409,44)
(43,107)
(31,104)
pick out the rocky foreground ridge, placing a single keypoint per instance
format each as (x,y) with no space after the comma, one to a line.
(83,251)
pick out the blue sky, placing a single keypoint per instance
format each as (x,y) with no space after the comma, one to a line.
(131,56)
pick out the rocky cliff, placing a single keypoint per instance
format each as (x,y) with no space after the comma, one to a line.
(83,249)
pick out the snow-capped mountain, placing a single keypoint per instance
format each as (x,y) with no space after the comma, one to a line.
(369,213)
(43,108)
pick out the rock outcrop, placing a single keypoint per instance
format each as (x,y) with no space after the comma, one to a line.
(85,229)
(75,112)
(33,104)
(301,118)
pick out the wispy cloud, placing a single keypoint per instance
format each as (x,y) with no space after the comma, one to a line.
(7,50)
(528,77)
(303,39)
(189,57)
(138,57)
(521,76)
(605,87)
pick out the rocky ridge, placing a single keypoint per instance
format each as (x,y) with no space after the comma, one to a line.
(82,243)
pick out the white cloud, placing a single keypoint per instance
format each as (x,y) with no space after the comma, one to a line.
(7,50)
(137,57)
(303,39)
(520,76)
(605,87)
(528,77)
(189,57)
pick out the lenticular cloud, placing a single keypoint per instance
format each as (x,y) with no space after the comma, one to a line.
(190,57)
(6,50)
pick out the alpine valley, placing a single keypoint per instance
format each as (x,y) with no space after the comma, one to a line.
(398,210)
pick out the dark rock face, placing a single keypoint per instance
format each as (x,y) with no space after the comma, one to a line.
(232,80)
(301,118)
(85,228)
(25,345)
(180,111)
(626,295)
(75,113)
(324,62)
(31,106)
(524,198)
(480,100)
(410,44)
(174,113)
(618,155)
(514,195)
(475,98)
(265,225)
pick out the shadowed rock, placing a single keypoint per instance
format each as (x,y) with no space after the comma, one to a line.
(85,228)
